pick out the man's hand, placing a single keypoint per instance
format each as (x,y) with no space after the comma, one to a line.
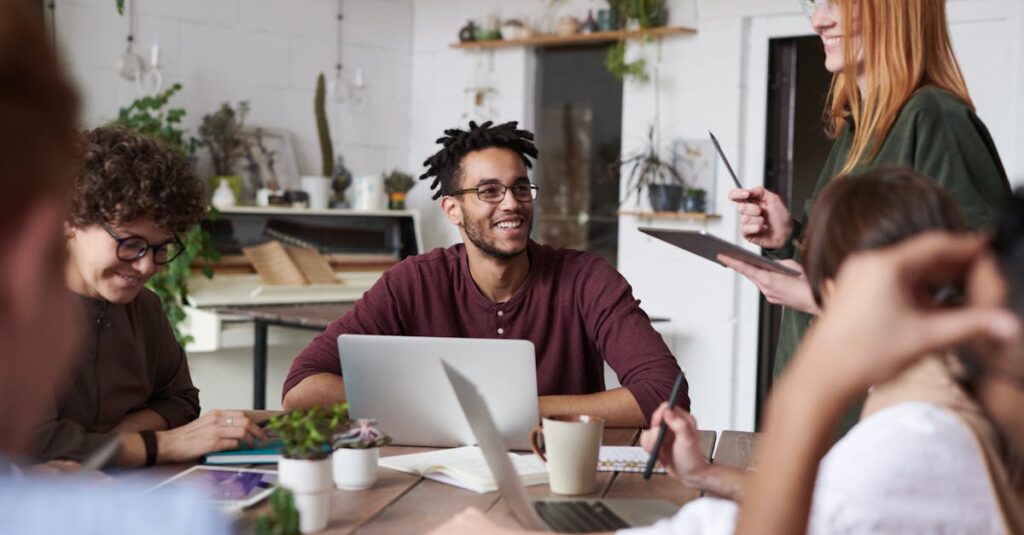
(765,220)
(680,452)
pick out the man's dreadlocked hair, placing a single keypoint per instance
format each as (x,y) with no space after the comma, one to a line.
(444,165)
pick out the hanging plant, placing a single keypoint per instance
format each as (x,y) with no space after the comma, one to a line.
(615,62)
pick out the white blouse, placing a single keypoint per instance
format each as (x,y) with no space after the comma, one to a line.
(910,468)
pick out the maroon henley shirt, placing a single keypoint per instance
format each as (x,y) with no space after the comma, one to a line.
(574,306)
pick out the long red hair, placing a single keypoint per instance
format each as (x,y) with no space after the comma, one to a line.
(906,46)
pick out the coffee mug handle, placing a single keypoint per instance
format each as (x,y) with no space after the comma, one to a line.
(537,448)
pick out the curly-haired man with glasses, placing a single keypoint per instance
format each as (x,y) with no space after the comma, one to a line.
(578,311)
(131,200)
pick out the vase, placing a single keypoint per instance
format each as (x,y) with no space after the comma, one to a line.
(665,197)
(694,204)
(355,469)
(223,196)
(312,485)
(368,192)
(468,32)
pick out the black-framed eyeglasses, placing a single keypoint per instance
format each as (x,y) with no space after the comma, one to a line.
(132,248)
(522,192)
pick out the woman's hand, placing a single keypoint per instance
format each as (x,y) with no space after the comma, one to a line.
(680,452)
(765,220)
(213,431)
(786,290)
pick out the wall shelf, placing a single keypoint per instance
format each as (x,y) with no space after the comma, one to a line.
(689,216)
(576,39)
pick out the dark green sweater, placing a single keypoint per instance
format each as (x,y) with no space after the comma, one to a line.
(936,135)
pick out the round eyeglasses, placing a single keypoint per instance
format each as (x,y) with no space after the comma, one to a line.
(132,248)
(522,192)
(810,7)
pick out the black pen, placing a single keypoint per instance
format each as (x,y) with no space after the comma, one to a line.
(678,387)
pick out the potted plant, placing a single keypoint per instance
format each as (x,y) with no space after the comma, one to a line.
(397,185)
(221,132)
(282,519)
(646,170)
(639,14)
(318,187)
(355,455)
(695,200)
(305,465)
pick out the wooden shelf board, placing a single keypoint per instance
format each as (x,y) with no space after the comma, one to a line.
(692,216)
(576,39)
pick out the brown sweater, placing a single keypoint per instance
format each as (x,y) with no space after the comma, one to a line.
(130,360)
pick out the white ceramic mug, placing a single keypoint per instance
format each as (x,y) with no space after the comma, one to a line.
(570,447)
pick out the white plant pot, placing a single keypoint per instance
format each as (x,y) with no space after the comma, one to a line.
(355,469)
(314,510)
(311,484)
(319,190)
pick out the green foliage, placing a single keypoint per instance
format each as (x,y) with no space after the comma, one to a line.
(322,130)
(119,4)
(398,182)
(282,519)
(148,116)
(696,193)
(221,132)
(615,62)
(306,433)
(645,167)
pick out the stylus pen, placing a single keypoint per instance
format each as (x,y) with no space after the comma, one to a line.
(661,429)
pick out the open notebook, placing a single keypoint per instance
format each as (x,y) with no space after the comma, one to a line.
(465,468)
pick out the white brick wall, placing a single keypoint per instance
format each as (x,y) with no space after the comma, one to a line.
(264,51)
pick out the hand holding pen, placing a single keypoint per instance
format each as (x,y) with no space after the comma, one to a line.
(672,400)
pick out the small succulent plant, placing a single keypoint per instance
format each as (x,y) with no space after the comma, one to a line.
(362,434)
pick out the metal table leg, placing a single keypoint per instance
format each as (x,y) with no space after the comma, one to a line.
(259,366)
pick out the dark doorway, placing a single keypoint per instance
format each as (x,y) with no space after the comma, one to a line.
(579,118)
(796,148)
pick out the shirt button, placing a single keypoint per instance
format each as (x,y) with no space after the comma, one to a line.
(501,313)
(501,331)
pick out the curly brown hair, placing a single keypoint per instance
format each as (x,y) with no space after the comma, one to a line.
(125,177)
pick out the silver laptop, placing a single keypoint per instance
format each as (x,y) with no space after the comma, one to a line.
(399,381)
(564,515)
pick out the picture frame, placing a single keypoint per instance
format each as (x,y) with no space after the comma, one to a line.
(269,156)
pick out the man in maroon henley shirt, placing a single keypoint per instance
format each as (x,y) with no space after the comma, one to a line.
(575,307)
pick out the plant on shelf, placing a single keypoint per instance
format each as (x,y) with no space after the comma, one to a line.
(695,200)
(222,134)
(151,116)
(282,519)
(397,185)
(644,14)
(645,169)
(305,465)
(355,454)
(318,186)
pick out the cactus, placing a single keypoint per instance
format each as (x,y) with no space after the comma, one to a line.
(326,148)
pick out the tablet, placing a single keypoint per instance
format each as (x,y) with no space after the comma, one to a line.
(230,488)
(703,244)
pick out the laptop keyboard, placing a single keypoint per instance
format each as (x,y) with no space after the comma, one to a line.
(578,516)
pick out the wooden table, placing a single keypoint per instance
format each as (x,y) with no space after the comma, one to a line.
(314,317)
(404,503)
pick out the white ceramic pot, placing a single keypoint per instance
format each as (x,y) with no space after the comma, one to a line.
(223,196)
(368,192)
(311,484)
(355,469)
(319,190)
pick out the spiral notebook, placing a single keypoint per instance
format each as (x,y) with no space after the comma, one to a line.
(624,459)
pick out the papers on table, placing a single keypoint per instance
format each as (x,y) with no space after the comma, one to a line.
(625,459)
(465,468)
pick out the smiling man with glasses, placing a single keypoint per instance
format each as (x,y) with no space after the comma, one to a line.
(132,197)
(578,311)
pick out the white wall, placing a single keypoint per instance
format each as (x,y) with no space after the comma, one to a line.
(265,51)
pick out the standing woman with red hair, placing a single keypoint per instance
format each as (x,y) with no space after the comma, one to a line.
(898,97)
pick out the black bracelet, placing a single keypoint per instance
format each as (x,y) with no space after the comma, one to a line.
(149,440)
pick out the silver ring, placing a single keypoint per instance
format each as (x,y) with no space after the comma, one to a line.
(229,422)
